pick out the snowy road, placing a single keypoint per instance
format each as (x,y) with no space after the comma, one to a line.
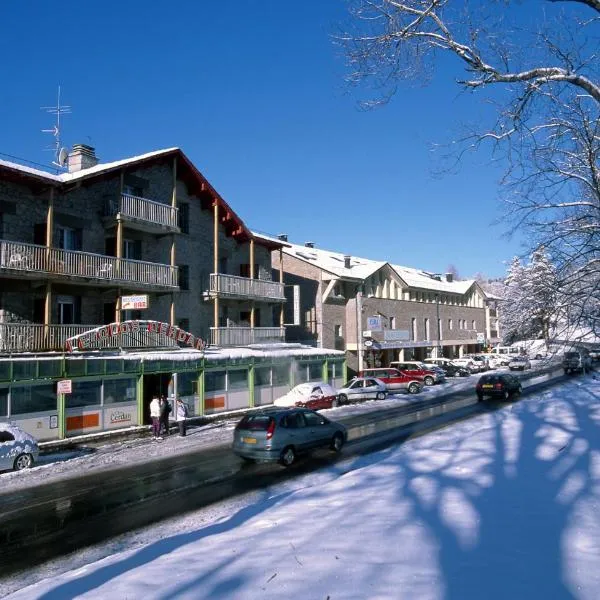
(504,505)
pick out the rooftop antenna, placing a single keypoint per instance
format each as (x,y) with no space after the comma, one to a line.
(60,152)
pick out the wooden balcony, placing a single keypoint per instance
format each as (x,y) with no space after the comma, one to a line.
(38,262)
(244,336)
(244,288)
(143,214)
(35,337)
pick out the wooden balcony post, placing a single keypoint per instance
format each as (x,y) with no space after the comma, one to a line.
(48,298)
(118,307)
(119,242)
(216,258)
(281,315)
(173,239)
(252,274)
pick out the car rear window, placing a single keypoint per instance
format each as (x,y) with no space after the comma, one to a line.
(571,354)
(255,422)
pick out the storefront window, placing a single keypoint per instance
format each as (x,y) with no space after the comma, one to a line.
(49,368)
(24,369)
(119,390)
(262,376)
(315,371)
(95,367)
(281,374)
(75,367)
(4,370)
(85,393)
(114,366)
(3,402)
(187,384)
(238,380)
(214,381)
(32,398)
(301,373)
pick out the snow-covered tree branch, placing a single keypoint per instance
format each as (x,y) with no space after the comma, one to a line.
(544,77)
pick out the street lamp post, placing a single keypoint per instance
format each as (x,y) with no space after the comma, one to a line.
(439,326)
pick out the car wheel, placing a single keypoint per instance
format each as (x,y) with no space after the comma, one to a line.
(505,395)
(23,461)
(380,395)
(414,388)
(288,456)
(337,442)
(479,397)
(428,380)
(519,390)
(248,459)
(341,399)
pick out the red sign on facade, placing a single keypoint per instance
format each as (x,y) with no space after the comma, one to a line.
(135,334)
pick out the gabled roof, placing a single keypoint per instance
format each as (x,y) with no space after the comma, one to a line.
(426,280)
(269,241)
(362,268)
(334,262)
(186,170)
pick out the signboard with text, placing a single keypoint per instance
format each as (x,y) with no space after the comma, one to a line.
(64,386)
(134,302)
(374,323)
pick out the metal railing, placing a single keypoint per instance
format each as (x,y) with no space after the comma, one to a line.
(244,336)
(18,256)
(36,337)
(233,286)
(143,209)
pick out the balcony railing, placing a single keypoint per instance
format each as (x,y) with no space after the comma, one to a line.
(244,336)
(232,286)
(17,256)
(142,209)
(35,337)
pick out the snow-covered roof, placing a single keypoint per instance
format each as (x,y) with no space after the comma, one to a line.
(99,168)
(334,262)
(102,167)
(271,240)
(29,171)
(427,280)
(362,268)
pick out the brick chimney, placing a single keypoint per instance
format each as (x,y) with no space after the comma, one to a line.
(347,259)
(449,277)
(82,157)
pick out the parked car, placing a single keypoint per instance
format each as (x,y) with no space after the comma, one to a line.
(415,369)
(519,363)
(494,360)
(497,385)
(280,435)
(315,395)
(576,361)
(481,361)
(362,388)
(394,380)
(466,363)
(18,449)
(455,371)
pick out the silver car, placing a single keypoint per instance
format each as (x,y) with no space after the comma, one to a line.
(280,435)
(18,449)
(362,388)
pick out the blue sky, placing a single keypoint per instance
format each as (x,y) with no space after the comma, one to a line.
(253,92)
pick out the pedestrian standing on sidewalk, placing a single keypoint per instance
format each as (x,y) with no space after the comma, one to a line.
(155,416)
(181,414)
(165,410)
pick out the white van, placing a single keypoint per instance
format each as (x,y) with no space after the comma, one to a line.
(510,350)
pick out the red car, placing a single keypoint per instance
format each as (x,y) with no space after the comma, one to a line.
(415,370)
(394,379)
(315,395)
